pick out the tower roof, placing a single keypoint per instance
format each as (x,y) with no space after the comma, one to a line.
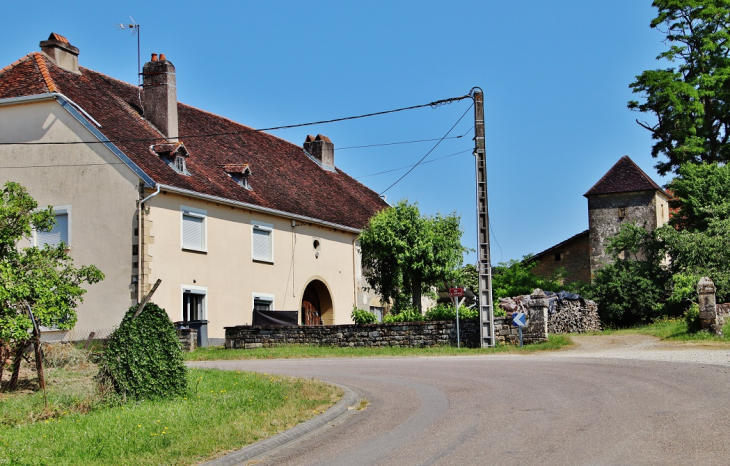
(625,176)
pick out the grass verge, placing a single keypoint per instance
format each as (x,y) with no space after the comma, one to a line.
(677,330)
(223,412)
(298,351)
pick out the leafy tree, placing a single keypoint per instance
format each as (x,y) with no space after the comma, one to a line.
(516,278)
(691,98)
(404,253)
(702,193)
(42,279)
(633,288)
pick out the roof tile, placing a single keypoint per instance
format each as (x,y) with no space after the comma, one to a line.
(624,176)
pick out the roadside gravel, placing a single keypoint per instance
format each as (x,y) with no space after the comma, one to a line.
(643,347)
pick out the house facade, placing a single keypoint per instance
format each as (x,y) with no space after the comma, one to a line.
(625,194)
(230,219)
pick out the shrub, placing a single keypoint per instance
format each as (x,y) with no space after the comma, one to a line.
(406,315)
(363,317)
(143,359)
(447,312)
(692,318)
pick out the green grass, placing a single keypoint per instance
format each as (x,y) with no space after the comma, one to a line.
(223,412)
(674,329)
(298,351)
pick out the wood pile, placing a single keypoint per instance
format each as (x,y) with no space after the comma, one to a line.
(574,316)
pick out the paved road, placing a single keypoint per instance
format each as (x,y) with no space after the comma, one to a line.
(579,407)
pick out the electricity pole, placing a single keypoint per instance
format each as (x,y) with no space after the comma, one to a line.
(484,265)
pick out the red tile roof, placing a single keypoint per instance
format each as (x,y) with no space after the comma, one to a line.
(624,176)
(283,177)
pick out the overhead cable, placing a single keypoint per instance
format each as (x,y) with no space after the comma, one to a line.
(434,104)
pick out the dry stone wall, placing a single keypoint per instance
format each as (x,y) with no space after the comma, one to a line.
(403,334)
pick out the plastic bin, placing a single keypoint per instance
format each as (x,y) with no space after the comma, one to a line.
(202,327)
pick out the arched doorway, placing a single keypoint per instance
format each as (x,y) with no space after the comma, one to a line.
(317,304)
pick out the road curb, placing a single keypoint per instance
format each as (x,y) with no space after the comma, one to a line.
(336,414)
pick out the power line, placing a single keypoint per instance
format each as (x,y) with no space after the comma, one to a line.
(403,142)
(409,166)
(434,104)
(429,152)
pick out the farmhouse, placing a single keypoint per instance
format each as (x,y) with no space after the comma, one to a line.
(144,187)
(625,194)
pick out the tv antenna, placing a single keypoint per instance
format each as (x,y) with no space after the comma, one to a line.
(134,29)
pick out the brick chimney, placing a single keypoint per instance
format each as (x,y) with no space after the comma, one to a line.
(322,149)
(160,95)
(61,52)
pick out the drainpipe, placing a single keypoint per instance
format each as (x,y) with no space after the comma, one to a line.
(354,272)
(140,241)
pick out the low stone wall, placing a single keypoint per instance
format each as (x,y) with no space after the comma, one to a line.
(403,334)
(188,338)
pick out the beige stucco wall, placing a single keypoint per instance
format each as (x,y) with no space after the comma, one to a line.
(100,190)
(229,274)
(662,209)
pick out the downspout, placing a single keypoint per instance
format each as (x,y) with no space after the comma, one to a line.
(354,272)
(140,241)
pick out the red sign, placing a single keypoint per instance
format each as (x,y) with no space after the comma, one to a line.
(456,292)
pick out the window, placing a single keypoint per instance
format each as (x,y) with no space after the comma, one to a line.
(61,231)
(622,212)
(558,256)
(194,303)
(378,311)
(262,242)
(193,231)
(180,164)
(263,302)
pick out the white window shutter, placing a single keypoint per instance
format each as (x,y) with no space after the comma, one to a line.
(192,232)
(261,245)
(56,235)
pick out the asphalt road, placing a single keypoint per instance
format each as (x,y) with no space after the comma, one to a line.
(581,407)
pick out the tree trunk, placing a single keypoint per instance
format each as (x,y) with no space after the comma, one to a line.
(39,360)
(416,293)
(17,359)
(4,354)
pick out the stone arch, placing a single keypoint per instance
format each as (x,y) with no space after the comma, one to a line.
(317,306)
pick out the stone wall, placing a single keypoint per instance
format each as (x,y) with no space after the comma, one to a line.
(571,255)
(604,221)
(402,334)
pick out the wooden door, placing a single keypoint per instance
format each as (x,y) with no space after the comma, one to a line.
(311,313)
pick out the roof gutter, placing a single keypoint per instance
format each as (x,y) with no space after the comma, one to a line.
(255,208)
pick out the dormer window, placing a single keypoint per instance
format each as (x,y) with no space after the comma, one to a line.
(180,164)
(174,155)
(239,172)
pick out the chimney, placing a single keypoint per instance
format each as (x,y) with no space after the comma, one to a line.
(322,149)
(61,52)
(160,95)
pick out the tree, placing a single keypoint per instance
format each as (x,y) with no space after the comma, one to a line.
(516,278)
(42,279)
(702,193)
(691,98)
(404,253)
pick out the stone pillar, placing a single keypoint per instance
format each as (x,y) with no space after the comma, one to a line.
(537,326)
(708,307)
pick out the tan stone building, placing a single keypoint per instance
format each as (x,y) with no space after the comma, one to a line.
(625,194)
(144,187)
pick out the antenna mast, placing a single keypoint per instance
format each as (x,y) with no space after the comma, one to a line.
(135,31)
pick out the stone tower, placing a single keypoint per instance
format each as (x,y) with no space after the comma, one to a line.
(625,194)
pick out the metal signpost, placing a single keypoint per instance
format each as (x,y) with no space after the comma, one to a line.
(519,320)
(455,294)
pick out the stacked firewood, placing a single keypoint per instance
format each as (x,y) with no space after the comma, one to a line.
(574,316)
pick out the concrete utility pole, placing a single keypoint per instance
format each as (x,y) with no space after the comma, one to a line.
(484,266)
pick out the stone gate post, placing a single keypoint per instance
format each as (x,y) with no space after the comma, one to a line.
(709,319)
(538,323)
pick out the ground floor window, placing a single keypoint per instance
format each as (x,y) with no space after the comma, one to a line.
(263,302)
(193,304)
(378,311)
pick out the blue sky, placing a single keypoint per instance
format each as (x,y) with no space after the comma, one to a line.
(555,77)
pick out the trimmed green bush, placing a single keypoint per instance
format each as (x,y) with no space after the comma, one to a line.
(406,315)
(448,312)
(143,359)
